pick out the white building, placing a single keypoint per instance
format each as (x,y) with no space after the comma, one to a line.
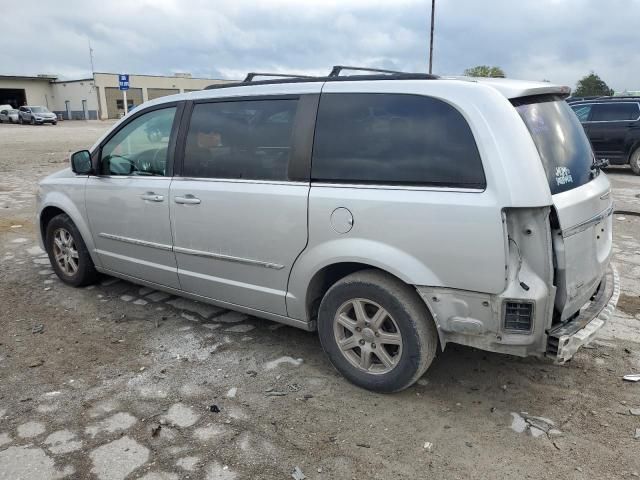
(95,97)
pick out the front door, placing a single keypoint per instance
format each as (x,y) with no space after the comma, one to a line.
(239,216)
(128,202)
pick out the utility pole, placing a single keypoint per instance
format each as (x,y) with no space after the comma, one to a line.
(91,57)
(433,9)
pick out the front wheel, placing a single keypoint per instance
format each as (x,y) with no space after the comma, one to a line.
(376,331)
(634,161)
(68,253)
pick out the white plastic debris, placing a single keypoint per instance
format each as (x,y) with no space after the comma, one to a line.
(297,474)
(428,446)
(633,377)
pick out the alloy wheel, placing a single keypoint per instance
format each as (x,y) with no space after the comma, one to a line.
(65,252)
(367,336)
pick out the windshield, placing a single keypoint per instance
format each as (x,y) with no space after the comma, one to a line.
(563,146)
(39,110)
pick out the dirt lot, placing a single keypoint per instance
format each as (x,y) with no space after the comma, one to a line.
(115,381)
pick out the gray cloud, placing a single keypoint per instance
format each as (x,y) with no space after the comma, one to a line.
(559,40)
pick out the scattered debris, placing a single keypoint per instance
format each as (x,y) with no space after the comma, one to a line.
(39,328)
(36,364)
(214,408)
(535,426)
(633,377)
(251,373)
(294,387)
(297,474)
(275,394)
(155,431)
(274,363)
(363,445)
(634,411)
(637,435)
(428,446)
(232,392)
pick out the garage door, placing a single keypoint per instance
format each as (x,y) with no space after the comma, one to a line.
(115,104)
(13,96)
(161,92)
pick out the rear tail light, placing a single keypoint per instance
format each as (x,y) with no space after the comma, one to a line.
(518,316)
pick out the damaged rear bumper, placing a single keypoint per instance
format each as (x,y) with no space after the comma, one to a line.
(564,340)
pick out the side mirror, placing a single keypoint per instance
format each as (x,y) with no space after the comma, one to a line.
(81,162)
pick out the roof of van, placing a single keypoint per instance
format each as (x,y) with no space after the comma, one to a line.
(510,88)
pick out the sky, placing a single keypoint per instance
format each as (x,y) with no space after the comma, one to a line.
(556,40)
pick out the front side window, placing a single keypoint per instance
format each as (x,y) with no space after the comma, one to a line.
(240,140)
(615,112)
(140,147)
(394,139)
(582,111)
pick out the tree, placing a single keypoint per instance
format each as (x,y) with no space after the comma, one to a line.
(485,71)
(592,86)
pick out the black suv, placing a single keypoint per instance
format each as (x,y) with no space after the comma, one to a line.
(613,126)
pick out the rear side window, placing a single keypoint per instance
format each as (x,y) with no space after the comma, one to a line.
(394,139)
(240,140)
(582,111)
(612,112)
(563,146)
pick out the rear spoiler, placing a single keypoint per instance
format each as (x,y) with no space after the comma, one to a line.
(519,88)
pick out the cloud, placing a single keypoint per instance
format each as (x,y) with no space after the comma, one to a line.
(559,40)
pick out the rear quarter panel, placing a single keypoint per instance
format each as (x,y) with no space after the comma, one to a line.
(430,236)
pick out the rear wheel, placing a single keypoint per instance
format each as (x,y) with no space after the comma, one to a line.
(68,253)
(33,121)
(634,161)
(377,331)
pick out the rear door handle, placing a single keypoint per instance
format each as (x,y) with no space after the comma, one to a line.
(152,197)
(187,200)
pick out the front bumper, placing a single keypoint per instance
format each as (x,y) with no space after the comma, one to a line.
(46,120)
(564,340)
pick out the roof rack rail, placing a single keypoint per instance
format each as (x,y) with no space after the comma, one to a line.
(335,71)
(251,75)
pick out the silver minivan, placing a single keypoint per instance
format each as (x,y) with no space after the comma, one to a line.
(392,213)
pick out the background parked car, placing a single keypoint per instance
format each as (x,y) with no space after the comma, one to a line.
(613,126)
(36,115)
(9,115)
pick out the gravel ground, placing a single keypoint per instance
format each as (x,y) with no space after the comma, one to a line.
(117,381)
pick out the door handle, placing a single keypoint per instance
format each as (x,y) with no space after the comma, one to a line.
(152,197)
(188,199)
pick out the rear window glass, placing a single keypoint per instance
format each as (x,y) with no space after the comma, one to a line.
(394,139)
(563,146)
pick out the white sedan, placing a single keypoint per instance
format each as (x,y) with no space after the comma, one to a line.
(9,116)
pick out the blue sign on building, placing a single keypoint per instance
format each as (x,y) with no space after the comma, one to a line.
(123,81)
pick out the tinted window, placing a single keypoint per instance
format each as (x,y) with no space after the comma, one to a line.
(564,149)
(141,146)
(244,139)
(582,111)
(609,112)
(394,139)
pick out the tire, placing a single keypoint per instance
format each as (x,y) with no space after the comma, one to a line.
(634,161)
(33,121)
(20,121)
(63,238)
(404,315)
(54,123)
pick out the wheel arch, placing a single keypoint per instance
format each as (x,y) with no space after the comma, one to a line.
(53,209)
(317,269)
